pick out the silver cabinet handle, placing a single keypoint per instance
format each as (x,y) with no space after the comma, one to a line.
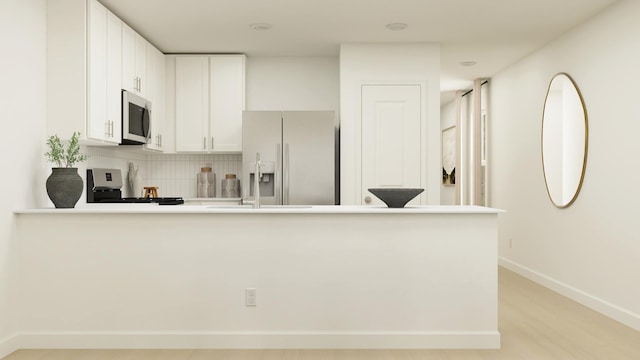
(212,144)
(112,126)
(367,199)
(204,143)
(139,84)
(160,136)
(286,175)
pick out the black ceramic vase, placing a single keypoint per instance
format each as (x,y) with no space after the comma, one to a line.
(64,187)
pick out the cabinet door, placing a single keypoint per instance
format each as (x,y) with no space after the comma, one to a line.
(226,101)
(129,78)
(391,154)
(104,98)
(155,94)
(114,78)
(192,104)
(161,111)
(97,125)
(141,64)
(134,61)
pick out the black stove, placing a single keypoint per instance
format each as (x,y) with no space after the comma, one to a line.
(103,186)
(142,200)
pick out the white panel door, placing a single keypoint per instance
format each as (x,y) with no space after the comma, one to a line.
(391,129)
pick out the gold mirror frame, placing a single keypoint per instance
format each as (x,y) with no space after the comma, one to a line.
(560,203)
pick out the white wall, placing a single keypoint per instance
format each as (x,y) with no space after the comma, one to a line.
(591,250)
(383,64)
(447,120)
(22,114)
(293,83)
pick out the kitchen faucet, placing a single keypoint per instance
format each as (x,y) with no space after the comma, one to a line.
(256,183)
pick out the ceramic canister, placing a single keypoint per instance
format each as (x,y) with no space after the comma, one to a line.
(206,186)
(230,186)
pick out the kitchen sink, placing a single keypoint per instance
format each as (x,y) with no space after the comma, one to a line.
(261,206)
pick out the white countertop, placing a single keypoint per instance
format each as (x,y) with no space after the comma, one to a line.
(235,209)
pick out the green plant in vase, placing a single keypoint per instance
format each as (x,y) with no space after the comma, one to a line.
(64,185)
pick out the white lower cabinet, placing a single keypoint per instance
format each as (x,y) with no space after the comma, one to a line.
(209,103)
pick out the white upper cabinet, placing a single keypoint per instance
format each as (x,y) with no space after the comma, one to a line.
(209,103)
(83,71)
(114,78)
(134,61)
(155,71)
(91,56)
(98,125)
(226,99)
(105,73)
(192,103)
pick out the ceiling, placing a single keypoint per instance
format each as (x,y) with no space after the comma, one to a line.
(492,33)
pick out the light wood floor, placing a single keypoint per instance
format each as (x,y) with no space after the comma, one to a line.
(535,323)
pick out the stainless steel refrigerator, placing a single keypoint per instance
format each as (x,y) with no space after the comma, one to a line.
(297,156)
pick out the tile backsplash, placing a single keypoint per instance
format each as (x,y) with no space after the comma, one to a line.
(173,174)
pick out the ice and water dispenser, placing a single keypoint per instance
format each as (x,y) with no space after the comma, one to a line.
(268,180)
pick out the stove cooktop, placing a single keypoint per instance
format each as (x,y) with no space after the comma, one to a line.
(143,200)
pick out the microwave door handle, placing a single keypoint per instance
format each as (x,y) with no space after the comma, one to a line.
(150,126)
(147,134)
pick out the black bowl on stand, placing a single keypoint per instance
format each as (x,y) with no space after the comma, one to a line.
(395,197)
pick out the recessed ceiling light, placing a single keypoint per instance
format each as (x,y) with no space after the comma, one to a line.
(468,63)
(397,26)
(260,26)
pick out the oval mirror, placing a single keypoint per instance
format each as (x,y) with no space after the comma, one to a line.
(564,140)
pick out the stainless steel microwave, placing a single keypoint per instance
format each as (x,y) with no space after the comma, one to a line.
(136,119)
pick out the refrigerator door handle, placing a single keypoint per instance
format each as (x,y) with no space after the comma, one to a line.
(286,175)
(278,177)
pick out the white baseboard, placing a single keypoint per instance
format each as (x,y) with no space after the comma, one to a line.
(9,345)
(613,311)
(263,340)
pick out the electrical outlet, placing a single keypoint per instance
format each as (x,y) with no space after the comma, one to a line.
(250,297)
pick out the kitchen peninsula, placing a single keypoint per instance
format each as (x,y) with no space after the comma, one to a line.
(149,276)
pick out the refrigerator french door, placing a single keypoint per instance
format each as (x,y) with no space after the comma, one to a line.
(297,156)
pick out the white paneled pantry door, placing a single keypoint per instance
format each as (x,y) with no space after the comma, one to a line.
(391,133)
